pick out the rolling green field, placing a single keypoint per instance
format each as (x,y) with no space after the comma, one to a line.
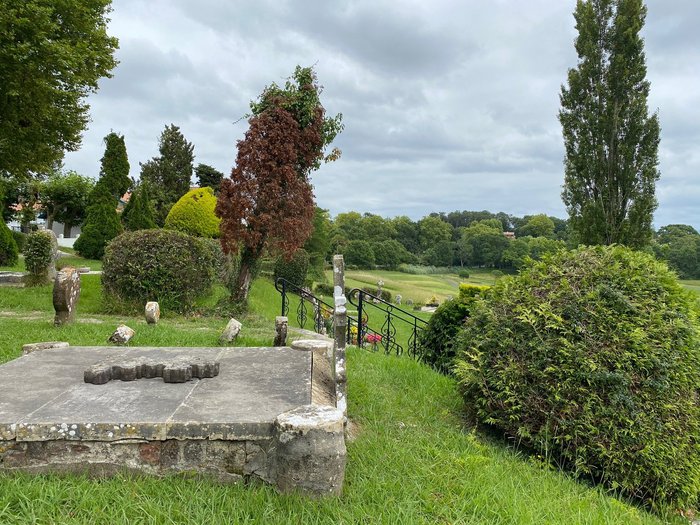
(417,288)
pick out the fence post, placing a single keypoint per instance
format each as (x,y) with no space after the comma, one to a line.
(340,323)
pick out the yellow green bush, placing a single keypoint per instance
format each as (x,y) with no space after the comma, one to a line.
(194,214)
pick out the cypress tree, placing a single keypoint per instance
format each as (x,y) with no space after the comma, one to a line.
(101,226)
(611,140)
(140,214)
(114,168)
(169,175)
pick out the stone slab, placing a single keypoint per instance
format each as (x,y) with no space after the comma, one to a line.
(44,397)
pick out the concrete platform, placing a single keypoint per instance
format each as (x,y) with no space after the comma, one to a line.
(51,420)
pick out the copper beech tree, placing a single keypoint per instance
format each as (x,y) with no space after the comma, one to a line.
(268,202)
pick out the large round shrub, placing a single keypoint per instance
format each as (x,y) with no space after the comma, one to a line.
(591,358)
(8,246)
(158,265)
(194,214)
(436,342)
(40,254)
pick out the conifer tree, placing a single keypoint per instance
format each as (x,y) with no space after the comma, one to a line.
(169,174)
(114,169)
(611,140)
(101,226)
(140,215)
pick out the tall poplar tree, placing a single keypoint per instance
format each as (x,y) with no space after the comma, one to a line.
(114,168)
(611,140)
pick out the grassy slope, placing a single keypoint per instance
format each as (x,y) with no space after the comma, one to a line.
(412,461)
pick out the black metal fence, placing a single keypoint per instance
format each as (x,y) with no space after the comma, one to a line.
(318,315)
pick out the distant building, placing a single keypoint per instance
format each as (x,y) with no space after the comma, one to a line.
(509,235)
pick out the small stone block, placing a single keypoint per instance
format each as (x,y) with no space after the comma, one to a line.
(281,324)
(152,312)
(66,291)
(233,328)
(121,335)
(311,453)
(83,269)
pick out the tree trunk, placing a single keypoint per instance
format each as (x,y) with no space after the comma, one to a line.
(49,221)
(245,277)
(67,230)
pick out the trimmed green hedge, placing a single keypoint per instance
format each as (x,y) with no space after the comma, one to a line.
(194,214)
(592,358)
(40,253)
(158,265)
(436,343)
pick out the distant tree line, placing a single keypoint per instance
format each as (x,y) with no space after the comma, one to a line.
(471,239)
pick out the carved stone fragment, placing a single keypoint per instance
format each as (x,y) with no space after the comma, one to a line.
(178,370)
(66,291)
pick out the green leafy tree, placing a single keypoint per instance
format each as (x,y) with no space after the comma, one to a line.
(432,231)
(65,199)
(208,176)
(376,228)
(536,226)
(267,203)
(349,225)
(52,55)
(407,233)
(319,244)
(101,226)
(679,245)
(482,243)
(359,253)
(114,168)
(611,141)
(169,174)
(138,214)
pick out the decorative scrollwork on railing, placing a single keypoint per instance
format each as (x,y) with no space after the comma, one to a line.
(363,301)
(358,332)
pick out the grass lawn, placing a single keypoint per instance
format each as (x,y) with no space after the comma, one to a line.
(417,288)
(412,460)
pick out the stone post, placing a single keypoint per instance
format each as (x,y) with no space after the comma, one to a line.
(310,450)
(66,290)
(340,323)
(281,323)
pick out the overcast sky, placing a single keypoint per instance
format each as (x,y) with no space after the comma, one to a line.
(447,105)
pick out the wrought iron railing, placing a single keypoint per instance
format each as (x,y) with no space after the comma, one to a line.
(314,308)
(392,314)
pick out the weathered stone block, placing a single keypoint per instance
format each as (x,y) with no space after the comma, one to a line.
(66,291)
(233,328)
(152,312)
(121,335)
(281,325)
(310,450)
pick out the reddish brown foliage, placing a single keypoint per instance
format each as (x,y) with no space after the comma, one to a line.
(268,201)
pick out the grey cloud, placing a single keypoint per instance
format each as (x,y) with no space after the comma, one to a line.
(447,105)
